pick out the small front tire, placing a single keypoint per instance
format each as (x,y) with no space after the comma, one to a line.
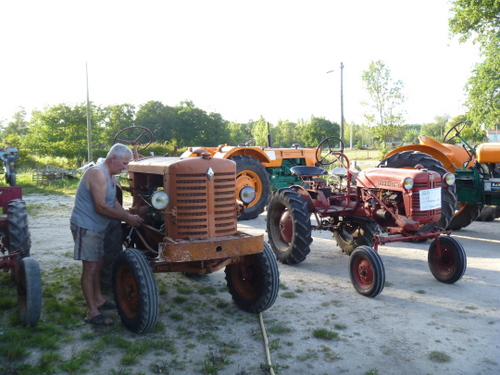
(29,290)
(448,264)
(367,271)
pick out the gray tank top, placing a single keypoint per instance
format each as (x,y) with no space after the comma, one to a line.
(84,214)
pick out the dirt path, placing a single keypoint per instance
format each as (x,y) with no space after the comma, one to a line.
(416,326)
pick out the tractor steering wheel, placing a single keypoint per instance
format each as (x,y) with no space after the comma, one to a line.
(327,153)
(457,128)
(133,136)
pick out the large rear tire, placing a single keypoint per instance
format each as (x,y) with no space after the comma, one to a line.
(464,215)
(489,213)
(29,291)
(447,265)
(289,226)
(135,291)
(19,235)
(409,159)
(251,173)
(254,282)
(367,271)
(351,235)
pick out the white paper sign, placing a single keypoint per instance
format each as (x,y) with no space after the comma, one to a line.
(430,199)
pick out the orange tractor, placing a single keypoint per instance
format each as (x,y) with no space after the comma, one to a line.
(260,170)
(189,211)
(475,168)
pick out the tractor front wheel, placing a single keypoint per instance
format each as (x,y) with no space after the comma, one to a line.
(135,291)
(449,262)
(350,235)
(254,282)
(252,176)
(367,271)
(289,226)
(29,291)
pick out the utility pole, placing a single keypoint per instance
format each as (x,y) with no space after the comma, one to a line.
(342,101)
(89,126)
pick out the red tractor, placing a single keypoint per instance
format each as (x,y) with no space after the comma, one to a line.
(363,210)
(15,243)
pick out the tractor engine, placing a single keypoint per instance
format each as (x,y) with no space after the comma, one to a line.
(405,196)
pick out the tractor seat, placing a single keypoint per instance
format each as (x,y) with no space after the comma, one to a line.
(488,153)
(303,170)
(339,172)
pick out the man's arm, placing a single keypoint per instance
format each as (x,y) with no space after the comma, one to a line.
(95,179)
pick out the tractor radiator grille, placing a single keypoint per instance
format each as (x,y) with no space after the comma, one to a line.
(417,214)
(205,208)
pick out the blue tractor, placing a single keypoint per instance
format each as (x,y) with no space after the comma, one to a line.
(9,156)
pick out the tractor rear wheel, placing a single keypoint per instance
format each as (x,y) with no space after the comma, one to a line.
(135,291)
(351,235)
(250,173)
(464,215)
(289,226)
(409,159)
(19,235)
(489,213)
(29,291)
(254,282)
(367,271)
(447,264)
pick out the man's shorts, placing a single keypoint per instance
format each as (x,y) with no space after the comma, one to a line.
(89,245)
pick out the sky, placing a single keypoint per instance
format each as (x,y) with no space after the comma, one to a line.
(242,59)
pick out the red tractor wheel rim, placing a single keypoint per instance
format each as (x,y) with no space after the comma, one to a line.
(286,227)
(246,280)
(363,272)
(128,295)
(444,260)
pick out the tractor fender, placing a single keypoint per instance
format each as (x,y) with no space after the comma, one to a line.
(436,154)
(451,156)
(228,152)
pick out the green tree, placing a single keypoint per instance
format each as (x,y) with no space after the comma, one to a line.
(317,129)
(61,130)
(114,119)
(480,21)
(238,133)
(285,134)
(160,119)
(259,132)
(18,125)
(385,97)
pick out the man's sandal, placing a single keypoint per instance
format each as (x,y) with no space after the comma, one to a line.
(99,320)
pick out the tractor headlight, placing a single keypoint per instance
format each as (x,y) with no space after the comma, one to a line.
(159,200)
(247,194)
(408,183)
(449,178)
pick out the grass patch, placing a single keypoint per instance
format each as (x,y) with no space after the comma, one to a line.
(440,357)
(325,334)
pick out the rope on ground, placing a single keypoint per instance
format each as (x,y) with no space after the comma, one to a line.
(266,344)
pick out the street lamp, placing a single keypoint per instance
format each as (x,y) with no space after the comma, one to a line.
(341,101)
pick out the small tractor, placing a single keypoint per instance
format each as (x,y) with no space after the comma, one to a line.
(477,176)
(404,204)
(15,244)
(261,170)
(190,226)
(9,156)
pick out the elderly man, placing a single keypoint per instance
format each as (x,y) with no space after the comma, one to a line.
(95,206)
